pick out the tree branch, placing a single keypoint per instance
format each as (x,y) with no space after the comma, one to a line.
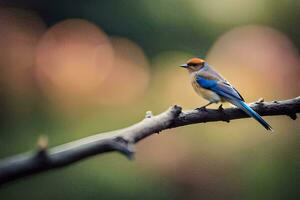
(123,140)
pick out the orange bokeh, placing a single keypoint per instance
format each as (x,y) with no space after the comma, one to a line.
(130,76)
(259,61)
(72,60)
(20,31)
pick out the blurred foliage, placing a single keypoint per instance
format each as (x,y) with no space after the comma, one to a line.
(71,69)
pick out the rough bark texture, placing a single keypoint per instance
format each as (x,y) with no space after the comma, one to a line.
(123,140)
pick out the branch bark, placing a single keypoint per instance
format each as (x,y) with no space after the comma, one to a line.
(123,140)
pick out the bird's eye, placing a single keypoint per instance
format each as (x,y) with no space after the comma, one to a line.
(201,64)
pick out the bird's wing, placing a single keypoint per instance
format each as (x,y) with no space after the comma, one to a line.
(222,88)
(225,90)
(238,93)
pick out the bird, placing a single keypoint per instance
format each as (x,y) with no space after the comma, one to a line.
(209,84)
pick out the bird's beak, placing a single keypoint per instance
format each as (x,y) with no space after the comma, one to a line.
(184,65)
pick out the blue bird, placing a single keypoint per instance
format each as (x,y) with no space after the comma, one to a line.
(213,87)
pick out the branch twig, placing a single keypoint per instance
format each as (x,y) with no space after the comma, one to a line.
(123,140)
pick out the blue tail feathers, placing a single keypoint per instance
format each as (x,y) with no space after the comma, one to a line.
(242,105)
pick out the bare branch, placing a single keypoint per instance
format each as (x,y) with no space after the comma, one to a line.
(123,140)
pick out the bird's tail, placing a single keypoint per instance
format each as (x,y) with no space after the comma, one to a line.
(242,105)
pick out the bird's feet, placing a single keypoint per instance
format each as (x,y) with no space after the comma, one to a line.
(221,108)
(224,117)
(203,108)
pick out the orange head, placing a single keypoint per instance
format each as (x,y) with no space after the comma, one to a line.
(194,64)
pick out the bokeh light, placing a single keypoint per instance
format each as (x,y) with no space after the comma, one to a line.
(229,11)
(130,75)
(20,30)
(258,53)
(72,60)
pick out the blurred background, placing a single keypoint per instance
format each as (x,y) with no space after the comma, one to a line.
(70,69)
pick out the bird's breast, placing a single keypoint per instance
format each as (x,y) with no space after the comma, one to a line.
(205,93)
